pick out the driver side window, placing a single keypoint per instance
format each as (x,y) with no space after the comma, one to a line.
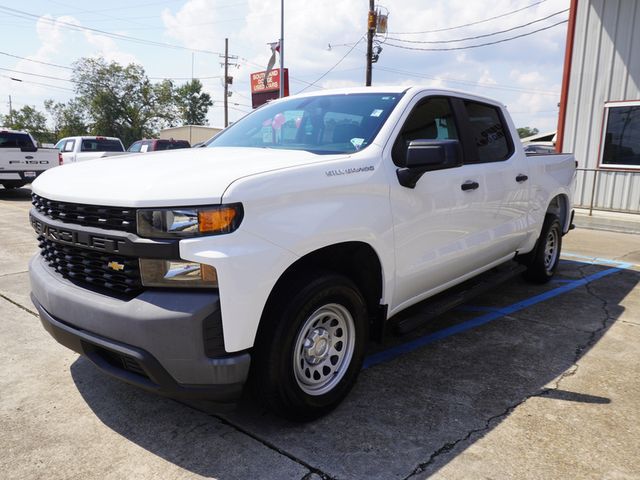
(431,119)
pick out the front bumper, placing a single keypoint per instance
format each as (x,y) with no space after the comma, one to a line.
(155,340)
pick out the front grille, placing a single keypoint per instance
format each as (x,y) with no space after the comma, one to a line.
(92,267)
(113,218)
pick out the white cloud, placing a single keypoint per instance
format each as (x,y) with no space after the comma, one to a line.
(107,48)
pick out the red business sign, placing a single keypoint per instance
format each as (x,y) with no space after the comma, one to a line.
(263,91)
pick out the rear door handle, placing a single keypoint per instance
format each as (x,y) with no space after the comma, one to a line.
(469,185)
(521,178)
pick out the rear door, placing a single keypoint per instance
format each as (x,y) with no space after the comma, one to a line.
(503,173)
(67,148)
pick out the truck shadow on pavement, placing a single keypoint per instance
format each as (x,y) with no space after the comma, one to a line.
(15,194)
(408,415)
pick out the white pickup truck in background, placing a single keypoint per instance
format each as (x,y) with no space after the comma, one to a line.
(300,233)
(21,160)
(79,149)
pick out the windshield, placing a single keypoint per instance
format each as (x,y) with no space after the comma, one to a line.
(324,124)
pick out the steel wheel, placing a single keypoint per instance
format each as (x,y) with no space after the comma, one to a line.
(311,345)
(543,260)
(323,349)
(551,250)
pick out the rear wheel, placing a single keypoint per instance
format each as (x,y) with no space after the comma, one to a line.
(544,260)
(310,349)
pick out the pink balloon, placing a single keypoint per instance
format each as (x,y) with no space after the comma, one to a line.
(278,121)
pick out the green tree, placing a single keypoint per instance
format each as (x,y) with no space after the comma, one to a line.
(31,120)
(524,132)
(121,101)
(69,119)
(193,104)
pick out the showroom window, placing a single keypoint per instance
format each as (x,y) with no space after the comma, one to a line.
(621,137)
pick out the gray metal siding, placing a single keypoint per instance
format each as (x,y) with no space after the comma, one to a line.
(605,67)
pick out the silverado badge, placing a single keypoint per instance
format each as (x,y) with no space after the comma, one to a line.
(118,267)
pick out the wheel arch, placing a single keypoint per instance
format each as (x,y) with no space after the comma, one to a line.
(559,206)
(356,260)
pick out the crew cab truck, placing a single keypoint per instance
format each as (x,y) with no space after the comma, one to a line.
(274,254)
(79,149)
(21,160)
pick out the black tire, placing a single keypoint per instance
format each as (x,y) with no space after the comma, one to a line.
(543,261)
(324,321)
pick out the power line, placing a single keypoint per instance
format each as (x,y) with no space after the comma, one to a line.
(36,83)
(22,14)
(72,81)
(338,63)
(35,61)
(291,77)
(480,36)
(70,68)
(36,75)
(472,23)
(475,46)
(467,82)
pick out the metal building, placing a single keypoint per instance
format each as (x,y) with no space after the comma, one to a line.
(600,102)
(191,133)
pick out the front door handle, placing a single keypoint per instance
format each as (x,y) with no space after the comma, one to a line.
(521,178)
(469,185)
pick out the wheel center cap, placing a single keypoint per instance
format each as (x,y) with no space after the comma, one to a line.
(316,346)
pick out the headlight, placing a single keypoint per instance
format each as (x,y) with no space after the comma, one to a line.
(189,222)
(177,273)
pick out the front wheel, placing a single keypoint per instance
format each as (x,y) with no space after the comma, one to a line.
(546,256)
(310,349)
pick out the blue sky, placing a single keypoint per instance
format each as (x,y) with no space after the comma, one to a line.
(524,73)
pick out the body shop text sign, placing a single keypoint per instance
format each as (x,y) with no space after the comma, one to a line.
(262,91)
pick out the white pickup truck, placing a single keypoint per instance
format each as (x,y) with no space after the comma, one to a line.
(79,149)
(21,161)
(276,253)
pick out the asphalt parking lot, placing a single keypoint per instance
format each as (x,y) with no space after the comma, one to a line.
(524,382)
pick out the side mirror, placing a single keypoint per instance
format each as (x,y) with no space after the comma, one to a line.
(426,155)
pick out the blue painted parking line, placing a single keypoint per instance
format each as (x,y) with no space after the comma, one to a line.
(476,308)
(390,354)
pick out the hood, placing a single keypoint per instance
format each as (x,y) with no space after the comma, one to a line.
(180,177)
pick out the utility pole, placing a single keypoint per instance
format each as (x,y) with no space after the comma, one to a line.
(371,27)
(226,82)
(10,111)
(281,92)
(227,79)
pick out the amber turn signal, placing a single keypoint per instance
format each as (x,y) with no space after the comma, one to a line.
(216,221)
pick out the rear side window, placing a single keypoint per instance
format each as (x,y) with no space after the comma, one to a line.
(489,132)
(101,145)
(161,145)
(15,140)
(68,146)
(170,144)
